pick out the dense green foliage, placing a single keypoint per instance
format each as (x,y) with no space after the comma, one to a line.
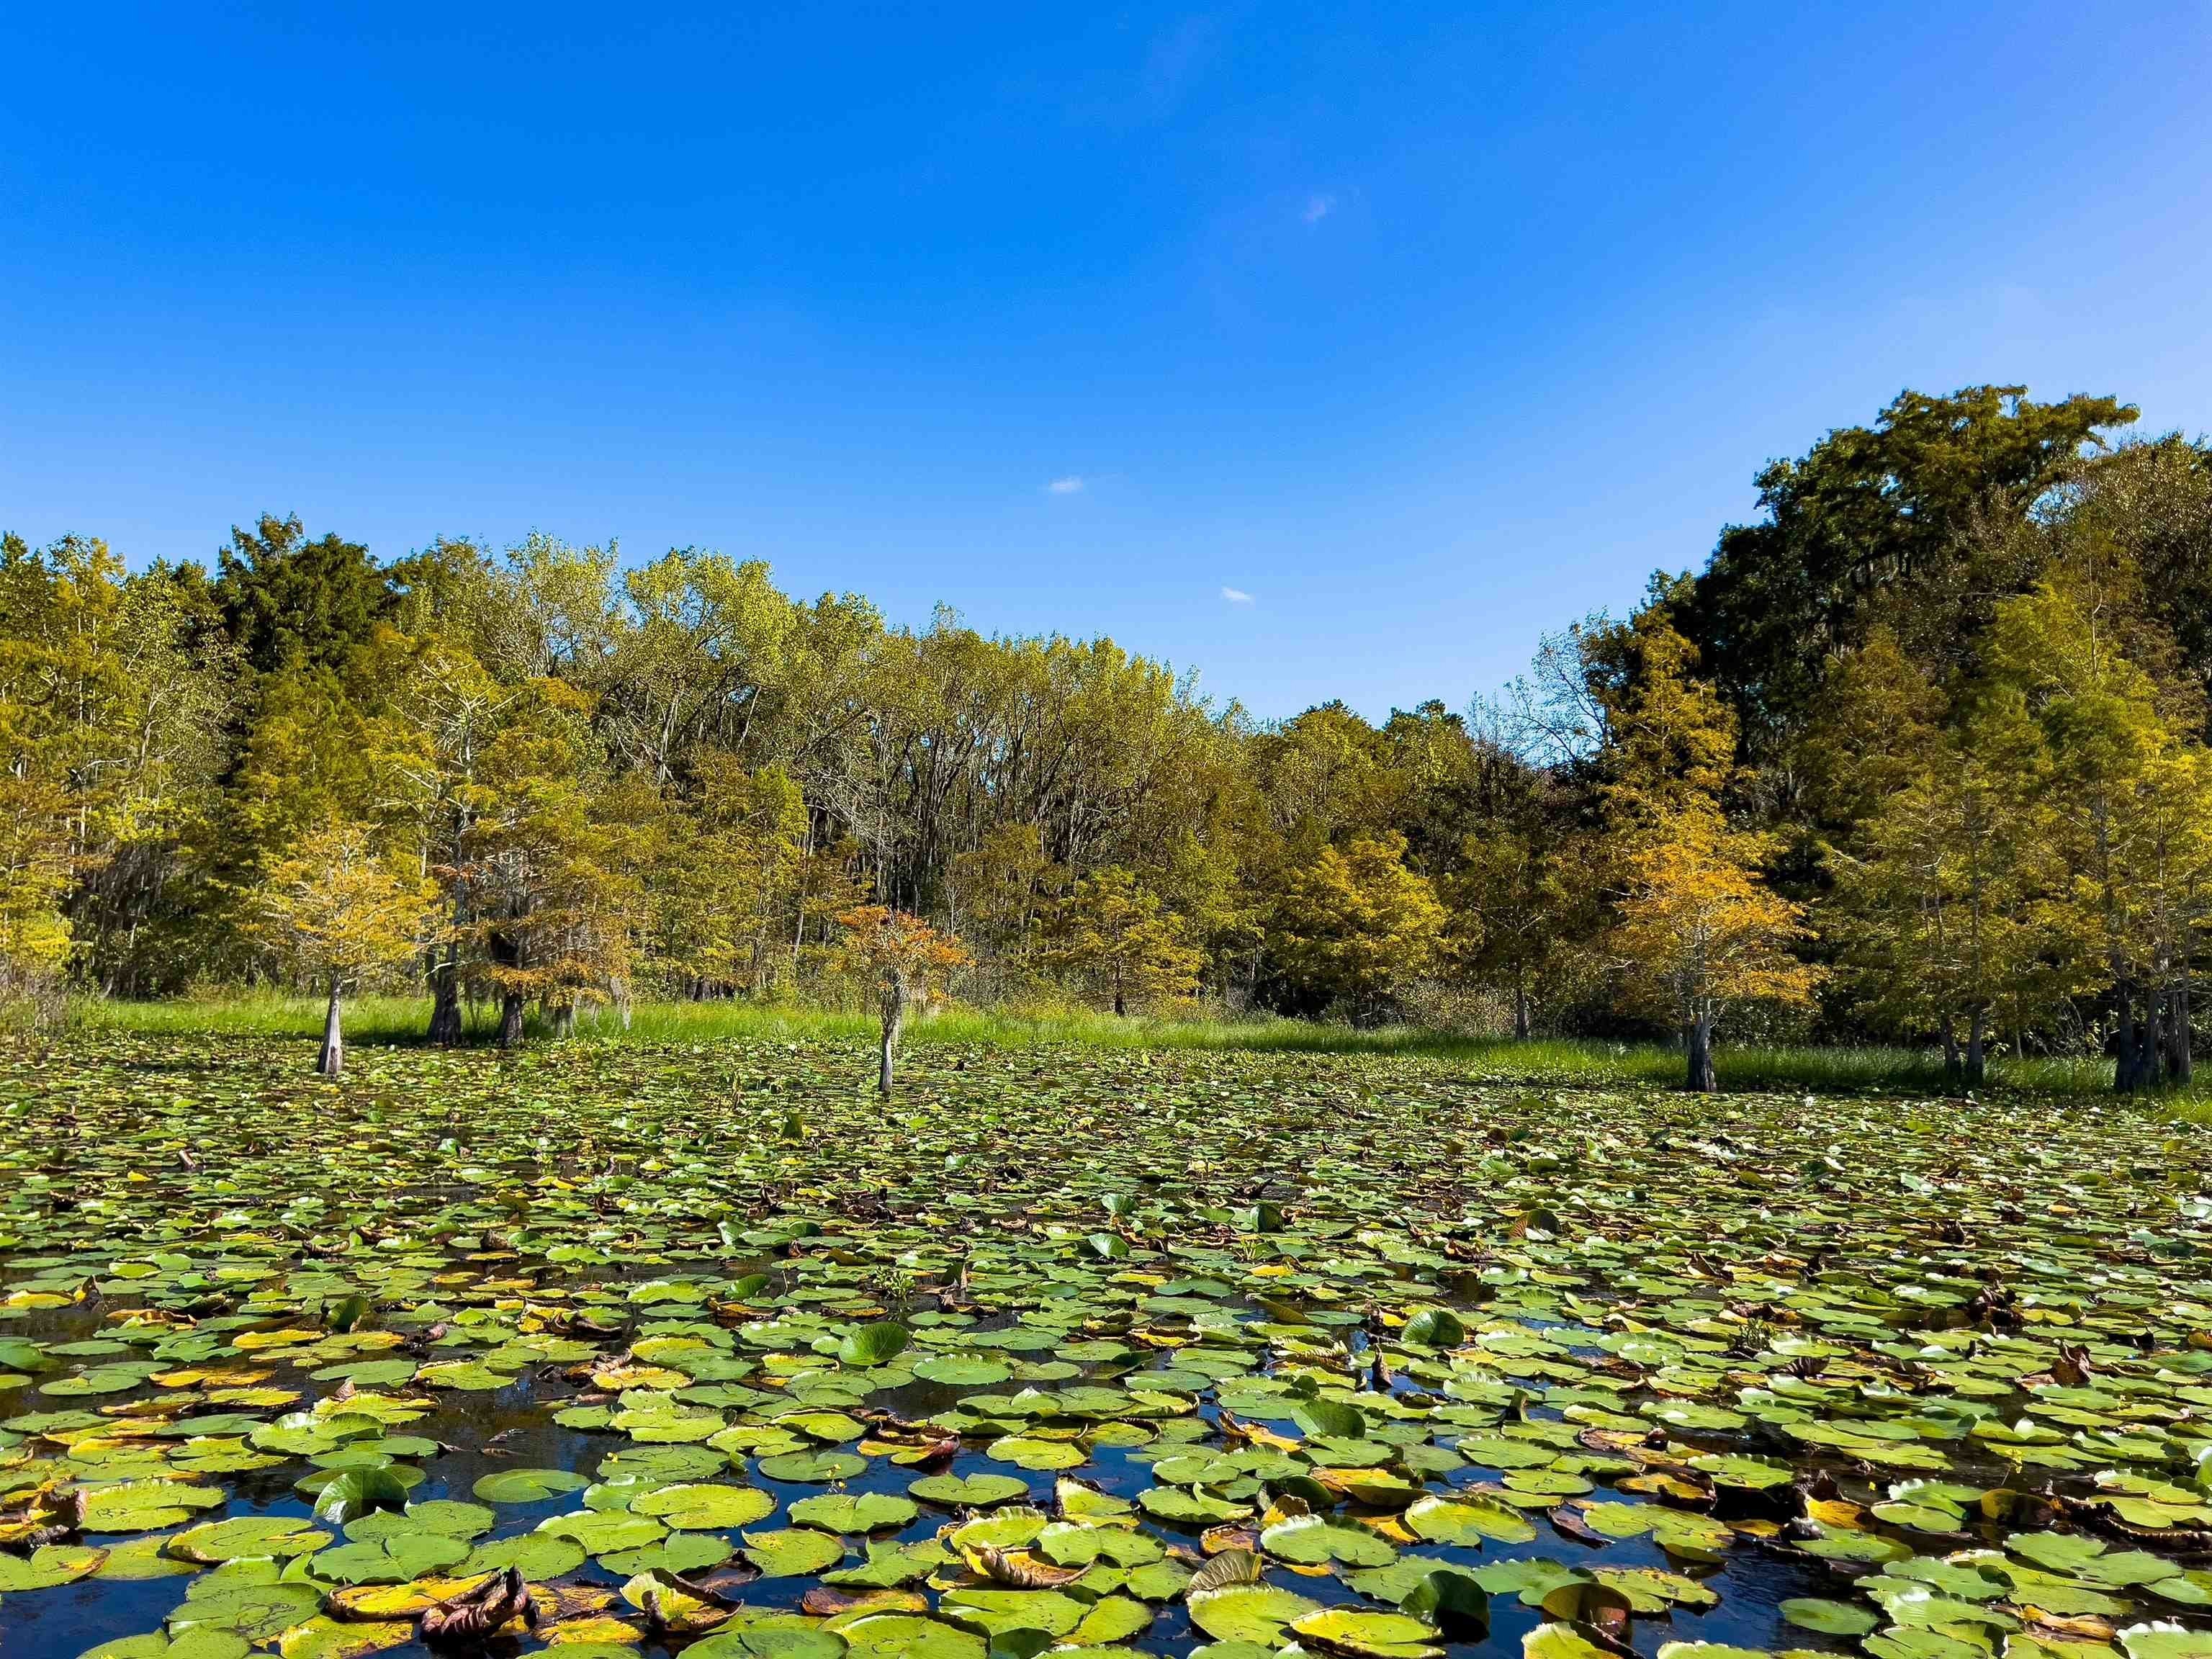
(1356,1353)
(1919,756)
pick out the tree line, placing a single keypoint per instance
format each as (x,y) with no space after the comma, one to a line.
(1919,754)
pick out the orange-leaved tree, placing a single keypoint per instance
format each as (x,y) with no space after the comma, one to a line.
(901,956)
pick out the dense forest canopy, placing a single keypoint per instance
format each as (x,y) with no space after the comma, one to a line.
(1919,754)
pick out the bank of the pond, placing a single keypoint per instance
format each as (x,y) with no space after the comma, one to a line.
(383,1019)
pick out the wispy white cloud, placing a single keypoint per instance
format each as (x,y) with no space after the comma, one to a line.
(1071,485)
(1236,596)
(1173,60)
(1318,207)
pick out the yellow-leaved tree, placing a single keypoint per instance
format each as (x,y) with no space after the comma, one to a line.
(902,957)
(35,880)
(1700,929)
(334,911)
(1113,932)
(1357,926)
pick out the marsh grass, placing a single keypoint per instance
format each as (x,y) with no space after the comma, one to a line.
(386,1019)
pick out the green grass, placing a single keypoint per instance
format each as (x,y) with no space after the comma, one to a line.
(381,1019)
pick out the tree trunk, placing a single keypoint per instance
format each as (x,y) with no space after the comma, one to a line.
(1519,1008)
(622,1002)
(894,1022)
(1977,1048)
(1120,1008)
(331,1062)
(1698,1041)
(2124,1037)
(564,1020)
(2131,1042)
(445,1000)
(510,1020)
(2180,1064)
(1950,1054)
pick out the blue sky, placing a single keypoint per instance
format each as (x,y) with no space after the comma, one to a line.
(1422,329)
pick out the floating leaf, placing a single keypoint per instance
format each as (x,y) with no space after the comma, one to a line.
(793,1554)
(1435,1327)
(853,1512)
(526,1486)
(48,1565)
(1830,1618)
(248,1535)
(355,1492)
(969,1490)
(1248,1613)
(873,1345)
(706,1508)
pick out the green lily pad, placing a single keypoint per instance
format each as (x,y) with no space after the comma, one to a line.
(1830,1618)
(526,1486)
(793,1554)
(705,1508)
(1249,1613)
(850,1512)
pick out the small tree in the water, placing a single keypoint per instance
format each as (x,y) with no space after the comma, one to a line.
(901,955)
(335,912)
(1700,929)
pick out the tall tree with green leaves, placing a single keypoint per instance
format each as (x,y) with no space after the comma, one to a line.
(1870,509)
(292,602)
(553,891)
(1934,908)
(1002,892)
(2123,793)
(731,876)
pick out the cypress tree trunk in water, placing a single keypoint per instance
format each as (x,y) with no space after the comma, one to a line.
(2180,1063)
(1697,1040)
(331,1062)
(894,1022)
(2124,1037)
(2142,1020)
(445,1000)
(2135,1038)
(510,1020)
(564,1020)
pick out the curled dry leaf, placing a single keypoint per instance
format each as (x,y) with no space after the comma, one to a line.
(470,1619)
(1568,1520)
(1234,1567)
(1017,1568)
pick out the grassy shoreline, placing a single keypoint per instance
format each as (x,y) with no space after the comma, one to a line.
(400,1020)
